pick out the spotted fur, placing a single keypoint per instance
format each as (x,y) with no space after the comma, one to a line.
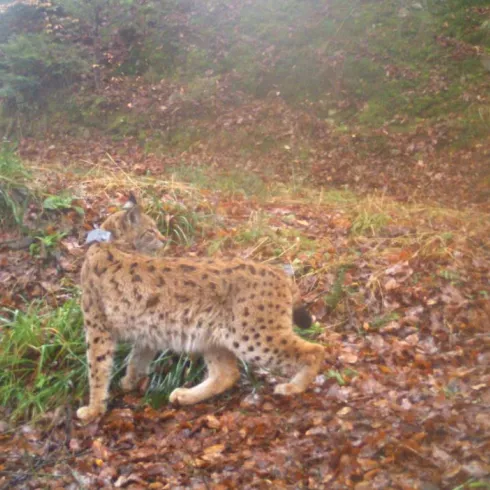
(223,310)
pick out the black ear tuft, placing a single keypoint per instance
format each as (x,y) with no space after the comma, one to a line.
(132,198)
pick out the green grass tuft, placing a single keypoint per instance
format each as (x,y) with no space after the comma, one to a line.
(42,360)
(171,371)
(383,320)
(14,191)
(473,483)
(310,333)
(337,292)
(176,220)
(46,244)
(369,223)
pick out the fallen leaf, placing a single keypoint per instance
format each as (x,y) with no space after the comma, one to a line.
(349,357)
(99,449)
(344,411)
(216,449)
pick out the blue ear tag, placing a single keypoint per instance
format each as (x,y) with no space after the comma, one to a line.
(288,269)
(98,235)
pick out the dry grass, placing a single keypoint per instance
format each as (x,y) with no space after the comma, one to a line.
(384,230)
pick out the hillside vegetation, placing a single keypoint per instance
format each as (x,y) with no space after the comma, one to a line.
(349,140)
(386,94)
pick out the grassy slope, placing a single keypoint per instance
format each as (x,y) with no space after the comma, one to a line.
(368,96)
(358,66)
(369,65)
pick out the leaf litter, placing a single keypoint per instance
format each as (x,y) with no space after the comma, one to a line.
(402,401)
(399,286)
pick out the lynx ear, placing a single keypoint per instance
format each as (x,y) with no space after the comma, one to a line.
(131,202)
(133,215)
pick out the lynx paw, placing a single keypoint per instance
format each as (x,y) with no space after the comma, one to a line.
(287,389)
(182,396)
(87,414)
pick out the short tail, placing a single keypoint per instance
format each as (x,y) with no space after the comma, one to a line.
(301,317)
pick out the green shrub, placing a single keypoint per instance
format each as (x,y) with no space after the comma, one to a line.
(34,66)
(20,18)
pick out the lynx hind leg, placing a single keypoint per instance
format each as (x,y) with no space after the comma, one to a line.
(100,351)
(223,373)
(138,366)
(305,355)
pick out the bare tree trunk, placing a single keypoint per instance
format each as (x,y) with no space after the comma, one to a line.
(97,44)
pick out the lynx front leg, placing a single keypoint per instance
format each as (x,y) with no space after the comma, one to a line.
(100,351)
(138,366)
(223,373)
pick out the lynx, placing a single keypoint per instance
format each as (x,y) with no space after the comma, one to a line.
(221,309)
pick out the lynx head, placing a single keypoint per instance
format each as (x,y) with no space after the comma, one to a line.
(134,228)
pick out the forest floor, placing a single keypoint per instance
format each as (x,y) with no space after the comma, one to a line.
(376,191)
(393,260)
